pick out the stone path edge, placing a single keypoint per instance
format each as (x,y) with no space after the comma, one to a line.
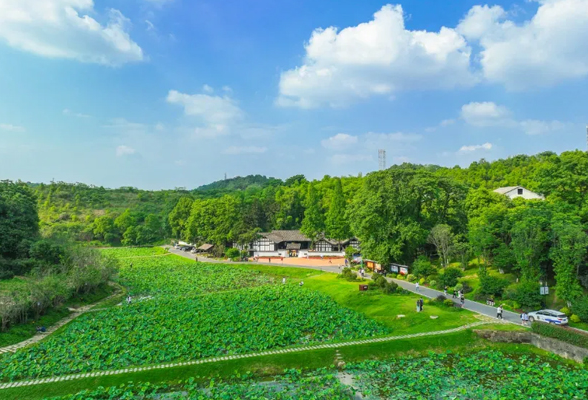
(33,382)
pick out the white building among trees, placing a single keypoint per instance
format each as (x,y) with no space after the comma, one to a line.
(519,191)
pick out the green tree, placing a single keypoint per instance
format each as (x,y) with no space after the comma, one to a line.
(178,217)
(568,253)
(125,221)
(104,229)
(336,224)
(19,221)
(313,224)
(442,238)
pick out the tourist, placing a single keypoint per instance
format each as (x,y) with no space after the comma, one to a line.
(283,281)
(129,300)
(301,283)
(416,286)
(418,304)
(524,317)
(269,259)
(454,294)
(499,312)
(422,303)
(462,299)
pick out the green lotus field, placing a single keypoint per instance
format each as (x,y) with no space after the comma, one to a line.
(170,327)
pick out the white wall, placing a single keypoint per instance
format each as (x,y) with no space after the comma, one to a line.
(527,194)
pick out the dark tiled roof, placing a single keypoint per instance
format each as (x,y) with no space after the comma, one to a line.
(285,236)
(206,247)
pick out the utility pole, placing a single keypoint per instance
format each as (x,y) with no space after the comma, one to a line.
(382,159)
(225,176)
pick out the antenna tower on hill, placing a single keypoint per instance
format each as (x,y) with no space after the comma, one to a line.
(382,159)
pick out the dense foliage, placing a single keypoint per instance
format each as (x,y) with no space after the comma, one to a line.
(179,329)
(398,214)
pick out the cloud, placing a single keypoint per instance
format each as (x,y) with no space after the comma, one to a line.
(339,142)
(473,148)
(378,57)
(447,122)
(218,114)
(392,141)
(12,128)
(245,150)
(158,3)
(150,26)
(65,29)
(71,113)
(227,89)
(485,114)
(122,151)
(489,114)
(124,126)
(207,89)
(547,49)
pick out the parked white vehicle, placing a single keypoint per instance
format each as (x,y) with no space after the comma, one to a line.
(549,316)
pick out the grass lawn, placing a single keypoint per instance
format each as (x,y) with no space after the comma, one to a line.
(385,308)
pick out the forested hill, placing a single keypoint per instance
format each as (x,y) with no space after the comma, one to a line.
(239,183)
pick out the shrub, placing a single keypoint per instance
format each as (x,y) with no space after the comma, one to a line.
(493,285)
(390,288)
(422,267)
(556,332)
(348,275)
(566,311)
(580,308)
(400,276)
(448,303)
(379,280)
(411,278)
(526,294)
(440,298)
(394,276)
(433,283)
(232,253)
(449,277)
(575,319)
(466,288)
(422,281)
(458,287)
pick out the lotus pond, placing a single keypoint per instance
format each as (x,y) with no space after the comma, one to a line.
(483,375)
(130,252)
(173,275)
(171,328)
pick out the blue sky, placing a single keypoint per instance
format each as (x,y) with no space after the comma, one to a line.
(167,93)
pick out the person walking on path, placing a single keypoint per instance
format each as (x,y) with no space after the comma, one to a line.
(445,291)
(454,293)
(416,287)
(462,299)
(499,312)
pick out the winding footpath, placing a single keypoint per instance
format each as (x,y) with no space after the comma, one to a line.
(76,312)
(96,374)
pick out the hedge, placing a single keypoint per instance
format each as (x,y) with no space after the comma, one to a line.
(564,334)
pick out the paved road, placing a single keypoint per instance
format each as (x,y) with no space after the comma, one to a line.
(468,305)
(430,293)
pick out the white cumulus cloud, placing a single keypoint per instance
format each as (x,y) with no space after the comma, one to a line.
(378,57)
(485,114)
(66,29)
(339,142)
(543,51)
(123,150)
(476,147)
